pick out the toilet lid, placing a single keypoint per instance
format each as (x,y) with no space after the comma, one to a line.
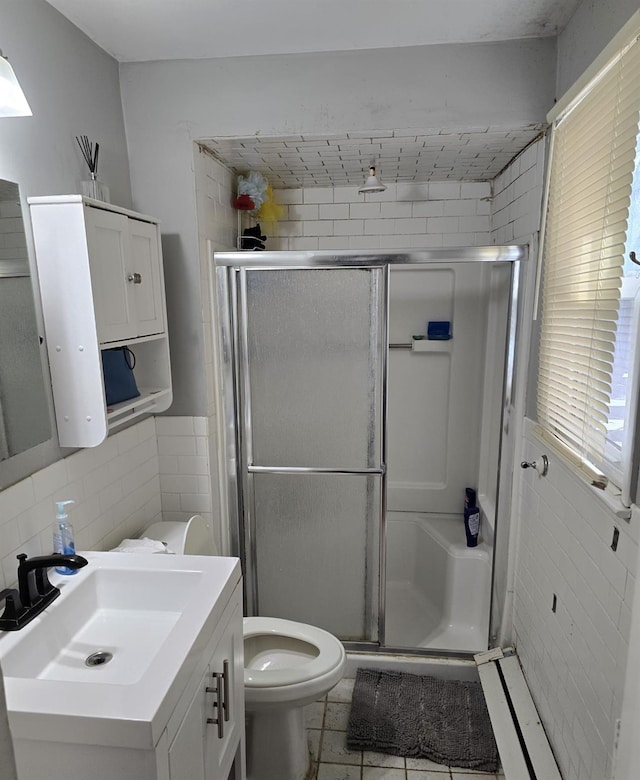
(330,652)
(191,538)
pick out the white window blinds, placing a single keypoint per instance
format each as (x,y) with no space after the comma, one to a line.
(592,163)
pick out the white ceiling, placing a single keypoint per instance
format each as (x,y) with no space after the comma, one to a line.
(142,30)
(138,30)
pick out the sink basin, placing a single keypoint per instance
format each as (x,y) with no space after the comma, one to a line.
(117,646)
(127,614)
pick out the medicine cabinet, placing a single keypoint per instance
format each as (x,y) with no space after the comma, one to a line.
(102,286)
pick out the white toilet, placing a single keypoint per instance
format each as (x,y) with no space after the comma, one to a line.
(287,665)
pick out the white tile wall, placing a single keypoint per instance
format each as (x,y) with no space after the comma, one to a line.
(185,468)
(116,487)
(13,244)
(437,214)
(574,659)
(517,195)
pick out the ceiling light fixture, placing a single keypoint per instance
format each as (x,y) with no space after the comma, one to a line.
(12,99)
(372,184)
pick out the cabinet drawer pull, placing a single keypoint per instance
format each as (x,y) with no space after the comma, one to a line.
(135,278)
(218,705)
(226,704)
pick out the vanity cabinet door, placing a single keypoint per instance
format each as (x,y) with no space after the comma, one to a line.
(227,676)
(209,743)
(186,754)
(113,299)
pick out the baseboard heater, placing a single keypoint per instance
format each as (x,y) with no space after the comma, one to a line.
(524,750)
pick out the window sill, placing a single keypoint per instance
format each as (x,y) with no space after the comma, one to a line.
(613,502)
(609,496)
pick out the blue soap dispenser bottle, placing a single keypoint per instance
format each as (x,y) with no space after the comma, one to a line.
(63,541)
(471,517)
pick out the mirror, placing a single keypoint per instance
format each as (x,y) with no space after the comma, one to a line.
(24,408)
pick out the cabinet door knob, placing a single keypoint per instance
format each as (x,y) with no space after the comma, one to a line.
(135,278)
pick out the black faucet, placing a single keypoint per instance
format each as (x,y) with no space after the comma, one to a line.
(34,592)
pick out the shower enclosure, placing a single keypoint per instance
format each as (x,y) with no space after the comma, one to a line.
(349,436)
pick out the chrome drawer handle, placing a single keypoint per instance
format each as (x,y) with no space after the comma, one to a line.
(225,679)
(217,704)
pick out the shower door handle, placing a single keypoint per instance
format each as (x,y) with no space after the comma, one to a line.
(311,470)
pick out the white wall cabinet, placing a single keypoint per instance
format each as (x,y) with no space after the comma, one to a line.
(124,258)
(102,286)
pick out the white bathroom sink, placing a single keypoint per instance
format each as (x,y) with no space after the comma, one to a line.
(125,615)
(138,618)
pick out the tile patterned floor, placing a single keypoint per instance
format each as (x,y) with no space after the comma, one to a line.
(327,727)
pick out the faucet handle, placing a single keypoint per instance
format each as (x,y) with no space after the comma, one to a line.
(13,610)
(27,583)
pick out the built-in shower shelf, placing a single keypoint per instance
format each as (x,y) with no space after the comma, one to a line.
(431,345)
(424,345)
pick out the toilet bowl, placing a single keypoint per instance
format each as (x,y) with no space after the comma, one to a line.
(287,665)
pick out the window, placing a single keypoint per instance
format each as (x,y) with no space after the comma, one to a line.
(620,417)
(586,385)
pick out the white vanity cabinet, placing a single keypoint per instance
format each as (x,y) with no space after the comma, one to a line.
(157,722)
(207,743)
(102,286)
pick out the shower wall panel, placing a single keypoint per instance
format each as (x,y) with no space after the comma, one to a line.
(435,396)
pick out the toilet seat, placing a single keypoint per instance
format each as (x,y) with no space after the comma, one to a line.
(326,653)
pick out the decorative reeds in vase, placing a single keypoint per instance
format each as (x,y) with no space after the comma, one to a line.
(93,187)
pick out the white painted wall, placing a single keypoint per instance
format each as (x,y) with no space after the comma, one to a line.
(73,89)
(167,105)
(591,27)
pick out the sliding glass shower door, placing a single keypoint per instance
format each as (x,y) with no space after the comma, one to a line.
(308,352)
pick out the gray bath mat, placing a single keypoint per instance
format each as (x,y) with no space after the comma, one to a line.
(418,716)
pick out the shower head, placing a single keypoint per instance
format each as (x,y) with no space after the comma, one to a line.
(372,184)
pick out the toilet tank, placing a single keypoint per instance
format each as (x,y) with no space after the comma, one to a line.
(195,537)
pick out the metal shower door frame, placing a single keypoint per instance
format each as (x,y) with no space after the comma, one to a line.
(228,266)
